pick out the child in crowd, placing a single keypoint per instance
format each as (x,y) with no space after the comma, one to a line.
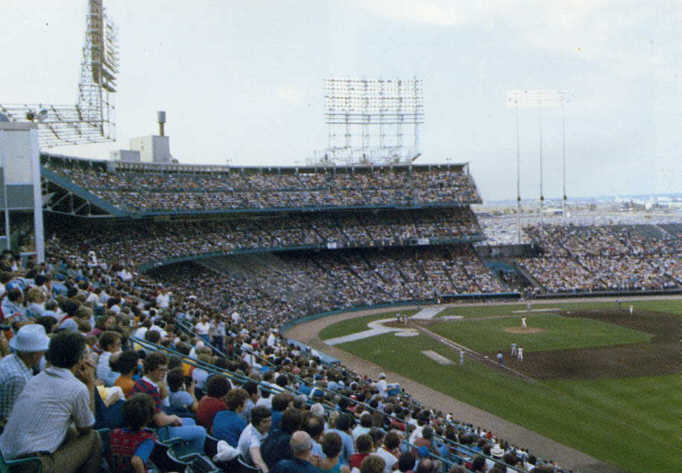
(127,366)
(131,446)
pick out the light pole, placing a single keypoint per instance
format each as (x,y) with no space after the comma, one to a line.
(563,154)
(540,98)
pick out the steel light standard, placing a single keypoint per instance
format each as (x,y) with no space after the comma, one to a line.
(539,98)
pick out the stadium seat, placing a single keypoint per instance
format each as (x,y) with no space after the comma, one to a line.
(8,466)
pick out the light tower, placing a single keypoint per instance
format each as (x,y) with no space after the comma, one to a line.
(92,119)
(29,127)
(371,116)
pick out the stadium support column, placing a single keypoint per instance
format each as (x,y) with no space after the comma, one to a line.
(20,186)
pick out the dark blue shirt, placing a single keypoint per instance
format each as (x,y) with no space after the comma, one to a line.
(294,465)
(275,447)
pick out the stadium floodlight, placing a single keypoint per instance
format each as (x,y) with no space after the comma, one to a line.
(372,106)
(92,120)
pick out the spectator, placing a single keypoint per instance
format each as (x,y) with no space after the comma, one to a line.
(406,462)
(373,464)
(155,367)
(227,424)
(49,404)
(180,398)
(314,426)
(301,448)
(217,387)
(29,345)
(331,446)
(126,364)
(110,343)
(390,452)
(252,436)
(364,427)
(131,446)
(275,446)
(363,446)
(343,426)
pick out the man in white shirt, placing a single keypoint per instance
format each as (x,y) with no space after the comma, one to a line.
(272,339)
(50,402)
(163,299)
(382,385)
(390,450)
(252,436)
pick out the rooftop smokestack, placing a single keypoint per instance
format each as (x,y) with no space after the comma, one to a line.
(161,117)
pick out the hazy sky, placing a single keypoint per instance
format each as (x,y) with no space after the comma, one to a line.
(244,80)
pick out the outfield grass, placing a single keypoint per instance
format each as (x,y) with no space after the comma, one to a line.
(559,333)
(607,419)
(666,306)
(358,324)
(633,423)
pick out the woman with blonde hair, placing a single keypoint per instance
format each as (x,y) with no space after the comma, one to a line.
(36,302)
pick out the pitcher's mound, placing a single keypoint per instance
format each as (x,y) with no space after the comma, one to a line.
(524,330)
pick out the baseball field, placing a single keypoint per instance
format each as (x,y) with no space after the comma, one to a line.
(594,376)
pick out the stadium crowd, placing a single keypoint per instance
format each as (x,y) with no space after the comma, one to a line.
(613,257)
(152,360)
(309,282)
(250,188)
(150,242)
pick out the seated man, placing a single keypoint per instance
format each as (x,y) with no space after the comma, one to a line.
(50,402)
(301,448)
(228,424)
(110,343)
(29,345)
(155,367)
(217,387)
(275,446)
(252,436)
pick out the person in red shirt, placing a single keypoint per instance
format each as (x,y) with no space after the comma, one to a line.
(364,446)
(217,387)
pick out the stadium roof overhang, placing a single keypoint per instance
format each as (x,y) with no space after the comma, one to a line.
(61,196)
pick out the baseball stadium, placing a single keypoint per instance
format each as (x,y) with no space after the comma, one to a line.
(356,313)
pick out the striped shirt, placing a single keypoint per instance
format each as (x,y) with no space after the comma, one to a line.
(147,386)
(14,375)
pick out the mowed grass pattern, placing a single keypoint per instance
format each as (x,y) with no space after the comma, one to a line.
(358,324)
(572,413)
(558,333)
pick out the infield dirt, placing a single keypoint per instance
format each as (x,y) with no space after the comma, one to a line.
(660,356)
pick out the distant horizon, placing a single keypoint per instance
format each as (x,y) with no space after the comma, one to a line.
(569,199)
